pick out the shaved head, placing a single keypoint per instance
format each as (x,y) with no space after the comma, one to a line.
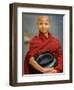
(44,23)
(44,17)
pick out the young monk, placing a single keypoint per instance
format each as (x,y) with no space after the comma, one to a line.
(42,43)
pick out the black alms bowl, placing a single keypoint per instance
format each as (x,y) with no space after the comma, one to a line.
(46,60)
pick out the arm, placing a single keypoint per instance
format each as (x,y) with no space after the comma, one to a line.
(38,67)
(59,67)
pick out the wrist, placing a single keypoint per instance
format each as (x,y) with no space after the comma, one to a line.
(42,70)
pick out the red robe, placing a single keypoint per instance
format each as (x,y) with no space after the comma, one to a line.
(40,44)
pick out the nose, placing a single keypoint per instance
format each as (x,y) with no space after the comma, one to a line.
(43,26)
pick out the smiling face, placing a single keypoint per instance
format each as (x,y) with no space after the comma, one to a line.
(44,24)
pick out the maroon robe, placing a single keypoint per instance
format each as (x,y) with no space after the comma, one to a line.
(40,44)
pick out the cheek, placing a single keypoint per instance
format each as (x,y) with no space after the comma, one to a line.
(49,26)
(46,27)
(39,26)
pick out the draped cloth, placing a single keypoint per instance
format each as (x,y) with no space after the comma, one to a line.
(40,44)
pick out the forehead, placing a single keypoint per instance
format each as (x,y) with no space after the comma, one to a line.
(43,18)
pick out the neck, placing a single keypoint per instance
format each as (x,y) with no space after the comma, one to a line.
(46,34)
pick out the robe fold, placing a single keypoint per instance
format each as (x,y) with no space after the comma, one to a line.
(40,44)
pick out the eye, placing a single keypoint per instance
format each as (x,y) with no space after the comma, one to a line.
(46,23)
(40,23)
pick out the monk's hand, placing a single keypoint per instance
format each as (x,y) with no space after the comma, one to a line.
(47,69)
(54,71)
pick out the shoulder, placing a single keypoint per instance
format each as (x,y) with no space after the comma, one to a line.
(34,39)
(57,42)
(56,39)
(34,42)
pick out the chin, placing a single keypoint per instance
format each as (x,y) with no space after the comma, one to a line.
(44,32)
